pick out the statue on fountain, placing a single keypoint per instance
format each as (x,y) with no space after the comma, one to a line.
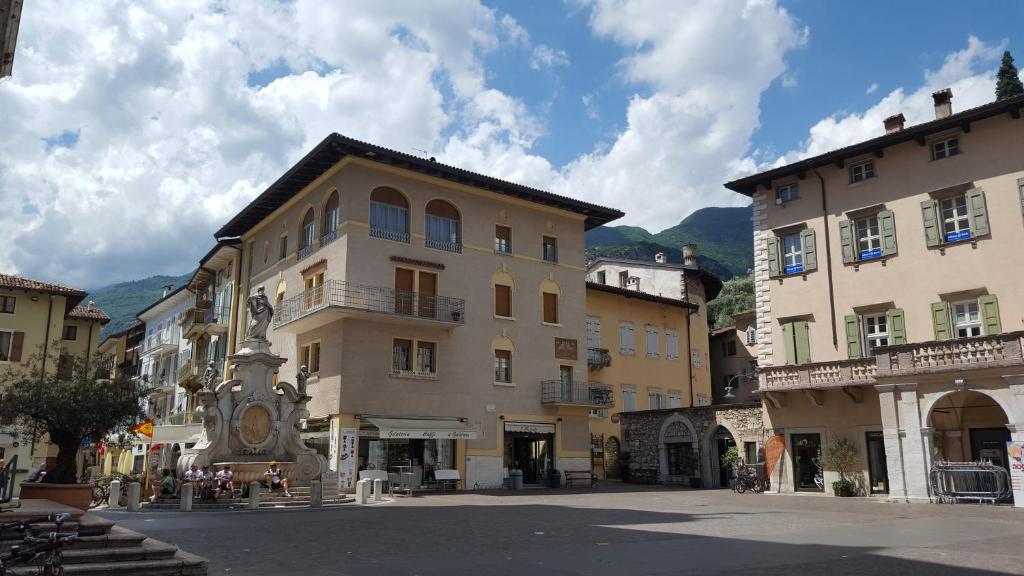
(260,314)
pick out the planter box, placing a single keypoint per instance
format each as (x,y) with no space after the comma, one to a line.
(74,495)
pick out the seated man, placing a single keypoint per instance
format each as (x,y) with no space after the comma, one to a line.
(274,479)
(165,487)
(225,481)
(194,477)
(205,481)
(39,474)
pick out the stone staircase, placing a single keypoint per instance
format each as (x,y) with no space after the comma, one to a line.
(300,498)
(104,549)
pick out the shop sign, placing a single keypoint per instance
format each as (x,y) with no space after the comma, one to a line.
(429,434)
(565,349)
(1016,451)
(529,427)
(347,464)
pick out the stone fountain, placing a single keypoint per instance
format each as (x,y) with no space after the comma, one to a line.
(248,421)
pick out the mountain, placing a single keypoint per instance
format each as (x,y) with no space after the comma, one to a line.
(724,239)
(122,301)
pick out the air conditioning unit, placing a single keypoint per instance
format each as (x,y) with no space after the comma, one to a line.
(780,202)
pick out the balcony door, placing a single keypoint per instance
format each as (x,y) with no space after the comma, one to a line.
(405,287)
(427,295)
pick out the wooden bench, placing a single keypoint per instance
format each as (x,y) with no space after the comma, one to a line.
(576,477)
(448,479)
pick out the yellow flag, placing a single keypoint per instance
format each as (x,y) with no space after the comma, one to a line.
(146,428)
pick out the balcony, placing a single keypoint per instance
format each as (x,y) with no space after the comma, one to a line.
(598,358)
(164,341)
(589,394)
(389,234)
(337,299)
(997,351)
(447,246)
(818,376)
(210,320)
(328,237)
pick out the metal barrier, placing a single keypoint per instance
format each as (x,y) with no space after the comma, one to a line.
(954,482)
(7,474)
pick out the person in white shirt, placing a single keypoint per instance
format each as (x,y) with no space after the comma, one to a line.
(225,481)
(274,479)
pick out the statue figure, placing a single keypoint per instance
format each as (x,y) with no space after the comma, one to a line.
(300,379)
(260,313)
(210,376)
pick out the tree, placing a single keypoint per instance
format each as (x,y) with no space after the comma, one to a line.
(737,295)
(71,404)
(840,455)
(1008,82)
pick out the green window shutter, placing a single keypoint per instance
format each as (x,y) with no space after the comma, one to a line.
(930,213)
(989,307)
(787,335)
(802,339)
(846,238)
(897,326)
(978,212)
(773,256)
(810,253)
(887,231)
(853,348)
(940,321)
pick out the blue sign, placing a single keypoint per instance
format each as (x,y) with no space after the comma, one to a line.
(958,236)
(794,269)
(86,442)
(870,254)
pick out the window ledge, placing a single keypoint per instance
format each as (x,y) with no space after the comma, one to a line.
(411,375)
(622,353)
(505,384)
(883,259)
(973,241)
(654,355)
(503,253)
(553,325)
(500,317)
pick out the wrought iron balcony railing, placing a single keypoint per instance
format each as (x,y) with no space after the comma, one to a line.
(329,237)
(376,299)
(305,251)
(577,393)
(166,338)
(444,245)
(598,358)
(389,234)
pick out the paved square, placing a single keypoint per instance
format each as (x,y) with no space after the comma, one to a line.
(618,531)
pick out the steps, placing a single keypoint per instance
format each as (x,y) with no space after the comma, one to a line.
(104,549)
(300,498)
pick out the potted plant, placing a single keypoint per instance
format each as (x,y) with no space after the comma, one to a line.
(70,405)
(840,455)
(730,460)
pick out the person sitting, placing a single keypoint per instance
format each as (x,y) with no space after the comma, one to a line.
(274,479)
(205,487)
(194,477)
(39,474)
(165,487)
(225,481)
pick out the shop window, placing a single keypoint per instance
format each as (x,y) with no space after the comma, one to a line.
(502,366)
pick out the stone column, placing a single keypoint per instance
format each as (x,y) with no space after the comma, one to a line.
(114,501)
(134,491)
(1015,382)
(378,490)
(915,455)
(928,441)
(254,495)
(893,442)
(954,446)
(185,497)
(316,494)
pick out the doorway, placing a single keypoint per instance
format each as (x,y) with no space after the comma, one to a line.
(878,474)
(989,445)
(531,453)
(611,457)
(806,451)
(723,441)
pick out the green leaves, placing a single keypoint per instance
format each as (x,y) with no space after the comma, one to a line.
(737,295)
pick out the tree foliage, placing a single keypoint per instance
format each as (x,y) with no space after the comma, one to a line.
(737,295)
(840,455)
(1008,82)
(74,403)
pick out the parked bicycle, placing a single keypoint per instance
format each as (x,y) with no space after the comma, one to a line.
(45,552)
(101,491)
(748,479)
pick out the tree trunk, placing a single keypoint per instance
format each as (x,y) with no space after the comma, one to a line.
(66,469)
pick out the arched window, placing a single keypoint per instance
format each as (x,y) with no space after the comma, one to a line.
(389,215)
(332,217)
(503,350)
(503,289)
(550,293)
(442,226)
(308,228)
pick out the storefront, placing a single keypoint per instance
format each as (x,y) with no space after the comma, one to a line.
(415,446)
(530,447)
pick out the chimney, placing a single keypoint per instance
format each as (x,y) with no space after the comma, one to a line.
(690,254)
(91,306)
(660,258)
(894,123)
(943,103)
(167,289)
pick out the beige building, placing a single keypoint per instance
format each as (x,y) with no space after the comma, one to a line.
(734,360)
(889,300)
(440,313)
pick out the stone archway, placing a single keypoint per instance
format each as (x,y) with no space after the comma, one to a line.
(968,426)
(717,439)
(676,429)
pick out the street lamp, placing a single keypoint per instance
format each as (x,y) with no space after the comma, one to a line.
(729,395)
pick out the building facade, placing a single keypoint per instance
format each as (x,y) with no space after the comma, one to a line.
(889,305)
(439,313)
(734,360)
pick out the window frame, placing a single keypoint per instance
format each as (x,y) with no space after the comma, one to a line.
(4,301)
(511,312)
(498,241)
(631,350)
(544,309)
(283,247)
(69,329)
(867,171)
(307,357)
(872,236)
(649,331)
(503,356)
(672,344)
(868,336)
(787,192)
(5,356)
(978,323)
(795,267)
(957,232)
(544,248)
(945,143)
(629,391)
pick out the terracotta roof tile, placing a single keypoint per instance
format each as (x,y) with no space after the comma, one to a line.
(86,313)
(18,283)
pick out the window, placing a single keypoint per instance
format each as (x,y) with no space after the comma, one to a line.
(624,279)
(869,242)
(729,348)
(628,399)
(332,217)
(796,336)
(651,343)
(283,252)
(750,452)
(6,347)
(656,400)
(945,148)
(787,193)
(751,335)
(502,239)
(550,249)
(502,366)
(309,356)
(966,319)
(863,171)
(954,218)
(401,355)
(70,333)
(503,301)
(550,308)
(602,277)
(672,344)
(7,304)
(626,345)
(389,215)
(792,254)
(956,224)
(876,332)
(675,399)
(442,227)
(426,357)
(308,234)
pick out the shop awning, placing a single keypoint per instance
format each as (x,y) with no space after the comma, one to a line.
(176,434)
(435,429)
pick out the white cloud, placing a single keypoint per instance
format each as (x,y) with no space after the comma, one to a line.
(547,57)
(789,80)
(872,89)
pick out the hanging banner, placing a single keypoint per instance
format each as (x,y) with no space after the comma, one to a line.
(774,449)
(332,453)
(347,464)
(1016,452)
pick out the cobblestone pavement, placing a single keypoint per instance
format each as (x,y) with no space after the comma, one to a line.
(616,531)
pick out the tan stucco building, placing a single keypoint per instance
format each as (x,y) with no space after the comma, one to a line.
(734,360)
(889,300)
(440,313)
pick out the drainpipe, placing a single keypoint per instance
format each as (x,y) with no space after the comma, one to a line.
(689,357)
(46,339)
(233,316)
(88,347)
(828,261)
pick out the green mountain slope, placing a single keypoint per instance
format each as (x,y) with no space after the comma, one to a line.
(122,301)
(724,237)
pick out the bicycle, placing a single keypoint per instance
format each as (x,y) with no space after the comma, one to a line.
(101,490)
(46,552)
(747,479)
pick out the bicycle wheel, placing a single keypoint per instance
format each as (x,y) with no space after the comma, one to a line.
(758,486)
(741,485)
(98,497)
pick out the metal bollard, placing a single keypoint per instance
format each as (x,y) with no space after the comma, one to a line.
(316,494)
(185,497)
(134,490)
(114,502)
(378,489)
(361,487)
(254,495)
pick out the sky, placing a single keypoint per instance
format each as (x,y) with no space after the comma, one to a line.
(131,130)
